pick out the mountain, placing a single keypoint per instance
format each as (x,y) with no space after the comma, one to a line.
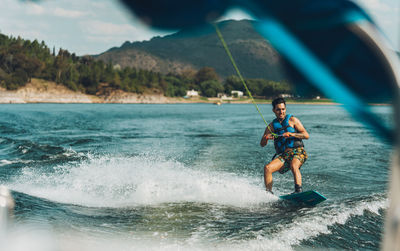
(191,50)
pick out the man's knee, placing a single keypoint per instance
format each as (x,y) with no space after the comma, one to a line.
(268,169)
(294,167)
(271,168)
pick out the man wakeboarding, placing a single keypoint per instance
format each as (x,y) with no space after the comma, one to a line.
(287,132)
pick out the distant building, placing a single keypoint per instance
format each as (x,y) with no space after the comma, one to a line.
(238,94)
(285,95)
(223,96)
(192,93)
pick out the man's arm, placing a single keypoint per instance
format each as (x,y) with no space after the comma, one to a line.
(266,136)
(301,131)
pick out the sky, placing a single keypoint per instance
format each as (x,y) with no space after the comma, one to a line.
(94,26)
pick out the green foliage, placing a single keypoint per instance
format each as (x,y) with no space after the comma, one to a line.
(175,87)
(18,78)
(21,60)
(258,87)
(211,88)
(205,74)
(232,83)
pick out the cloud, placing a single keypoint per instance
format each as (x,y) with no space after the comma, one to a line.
(98,5)
(60,12)
(96,27)
(34,9)
(383,12)
(110,34)
(376,5)
(236,14)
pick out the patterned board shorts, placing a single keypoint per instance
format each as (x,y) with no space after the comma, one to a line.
(287,157)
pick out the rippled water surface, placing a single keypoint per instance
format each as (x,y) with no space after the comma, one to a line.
(187,177)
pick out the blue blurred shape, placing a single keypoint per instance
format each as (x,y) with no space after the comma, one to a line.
(332,45)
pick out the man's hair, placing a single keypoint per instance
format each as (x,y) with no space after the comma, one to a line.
(277,101)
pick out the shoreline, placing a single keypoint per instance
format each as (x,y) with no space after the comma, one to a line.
(40,91)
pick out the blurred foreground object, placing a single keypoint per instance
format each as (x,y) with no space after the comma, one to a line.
(6,209)
(331,45)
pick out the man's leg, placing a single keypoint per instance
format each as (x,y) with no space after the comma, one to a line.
(295,167)
(269,169)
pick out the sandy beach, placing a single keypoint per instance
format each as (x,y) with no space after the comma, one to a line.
(41,91)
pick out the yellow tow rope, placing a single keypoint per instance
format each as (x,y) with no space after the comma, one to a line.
(240,76)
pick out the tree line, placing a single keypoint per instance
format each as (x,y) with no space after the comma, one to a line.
(21,60)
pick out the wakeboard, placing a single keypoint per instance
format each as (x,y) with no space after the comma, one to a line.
(310,198)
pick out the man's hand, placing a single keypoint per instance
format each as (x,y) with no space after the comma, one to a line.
(265,138)
(269,136)
(287,135)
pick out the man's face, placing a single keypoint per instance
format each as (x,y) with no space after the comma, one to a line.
(280,111)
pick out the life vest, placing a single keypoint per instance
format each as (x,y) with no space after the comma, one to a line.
(281,143)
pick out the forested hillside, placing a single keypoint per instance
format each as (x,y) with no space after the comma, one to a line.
(195,49)
(21,60)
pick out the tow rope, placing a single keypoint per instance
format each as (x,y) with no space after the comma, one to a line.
(240,75)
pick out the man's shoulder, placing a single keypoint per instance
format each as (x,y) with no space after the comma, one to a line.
(294,119)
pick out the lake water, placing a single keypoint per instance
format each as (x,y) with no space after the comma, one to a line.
(186,177)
